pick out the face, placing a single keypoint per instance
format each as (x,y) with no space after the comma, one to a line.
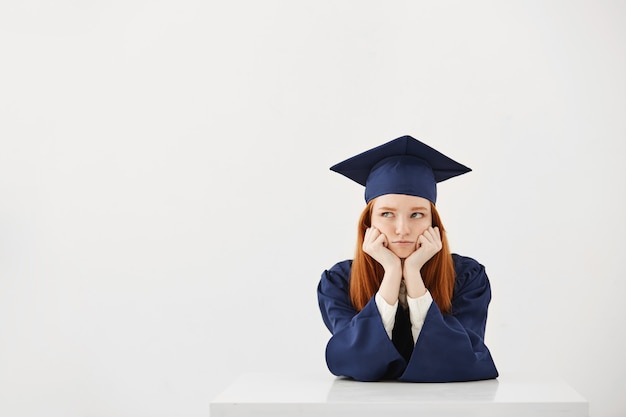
(402,219)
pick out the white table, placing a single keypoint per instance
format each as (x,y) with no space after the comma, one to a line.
(278,395)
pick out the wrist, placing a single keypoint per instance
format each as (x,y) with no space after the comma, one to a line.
(393,272)
(411,271)
(392,265)
(417,291)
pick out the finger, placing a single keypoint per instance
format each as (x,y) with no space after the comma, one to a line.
(432,238)
(381,240)
(373,239)
(427,236)
(437,236)
(374,233)
(428,239)
(370,234)
(432,234)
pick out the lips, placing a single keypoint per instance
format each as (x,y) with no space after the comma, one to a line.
(403,242)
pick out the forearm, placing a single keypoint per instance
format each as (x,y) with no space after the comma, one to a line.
(418,309)
(390,285)
(414,283)
(387,313)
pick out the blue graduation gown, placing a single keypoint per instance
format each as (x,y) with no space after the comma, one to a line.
(450,347)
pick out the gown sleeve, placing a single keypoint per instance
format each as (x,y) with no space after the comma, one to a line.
(451,347)
(359,347)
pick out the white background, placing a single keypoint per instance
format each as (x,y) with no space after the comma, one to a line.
(166,207)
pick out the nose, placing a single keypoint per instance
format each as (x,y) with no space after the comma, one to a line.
(402,227)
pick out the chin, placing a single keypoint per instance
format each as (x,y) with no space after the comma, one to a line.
(403,254)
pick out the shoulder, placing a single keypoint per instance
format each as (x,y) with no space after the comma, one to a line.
(469,272)
(336,279)
(339,271)
(463,264)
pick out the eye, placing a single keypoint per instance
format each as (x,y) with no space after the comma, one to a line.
(386,214)
(417,215)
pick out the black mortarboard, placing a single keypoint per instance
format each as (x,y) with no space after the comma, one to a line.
(401,166)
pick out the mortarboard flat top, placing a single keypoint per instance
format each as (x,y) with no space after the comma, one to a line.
(401,166)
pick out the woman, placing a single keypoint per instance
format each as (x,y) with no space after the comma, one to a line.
(405,308)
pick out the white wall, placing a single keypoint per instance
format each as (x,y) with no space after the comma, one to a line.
(166,207)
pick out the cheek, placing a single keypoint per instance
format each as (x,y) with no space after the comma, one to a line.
(380,225)
(424,225)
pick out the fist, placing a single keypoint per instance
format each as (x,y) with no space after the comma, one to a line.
(427,245)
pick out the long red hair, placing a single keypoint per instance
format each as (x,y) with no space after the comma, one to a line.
(438,273)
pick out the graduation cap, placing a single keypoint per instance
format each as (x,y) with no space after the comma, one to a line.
(401,166)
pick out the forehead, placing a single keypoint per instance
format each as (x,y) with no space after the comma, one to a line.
(400,201)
